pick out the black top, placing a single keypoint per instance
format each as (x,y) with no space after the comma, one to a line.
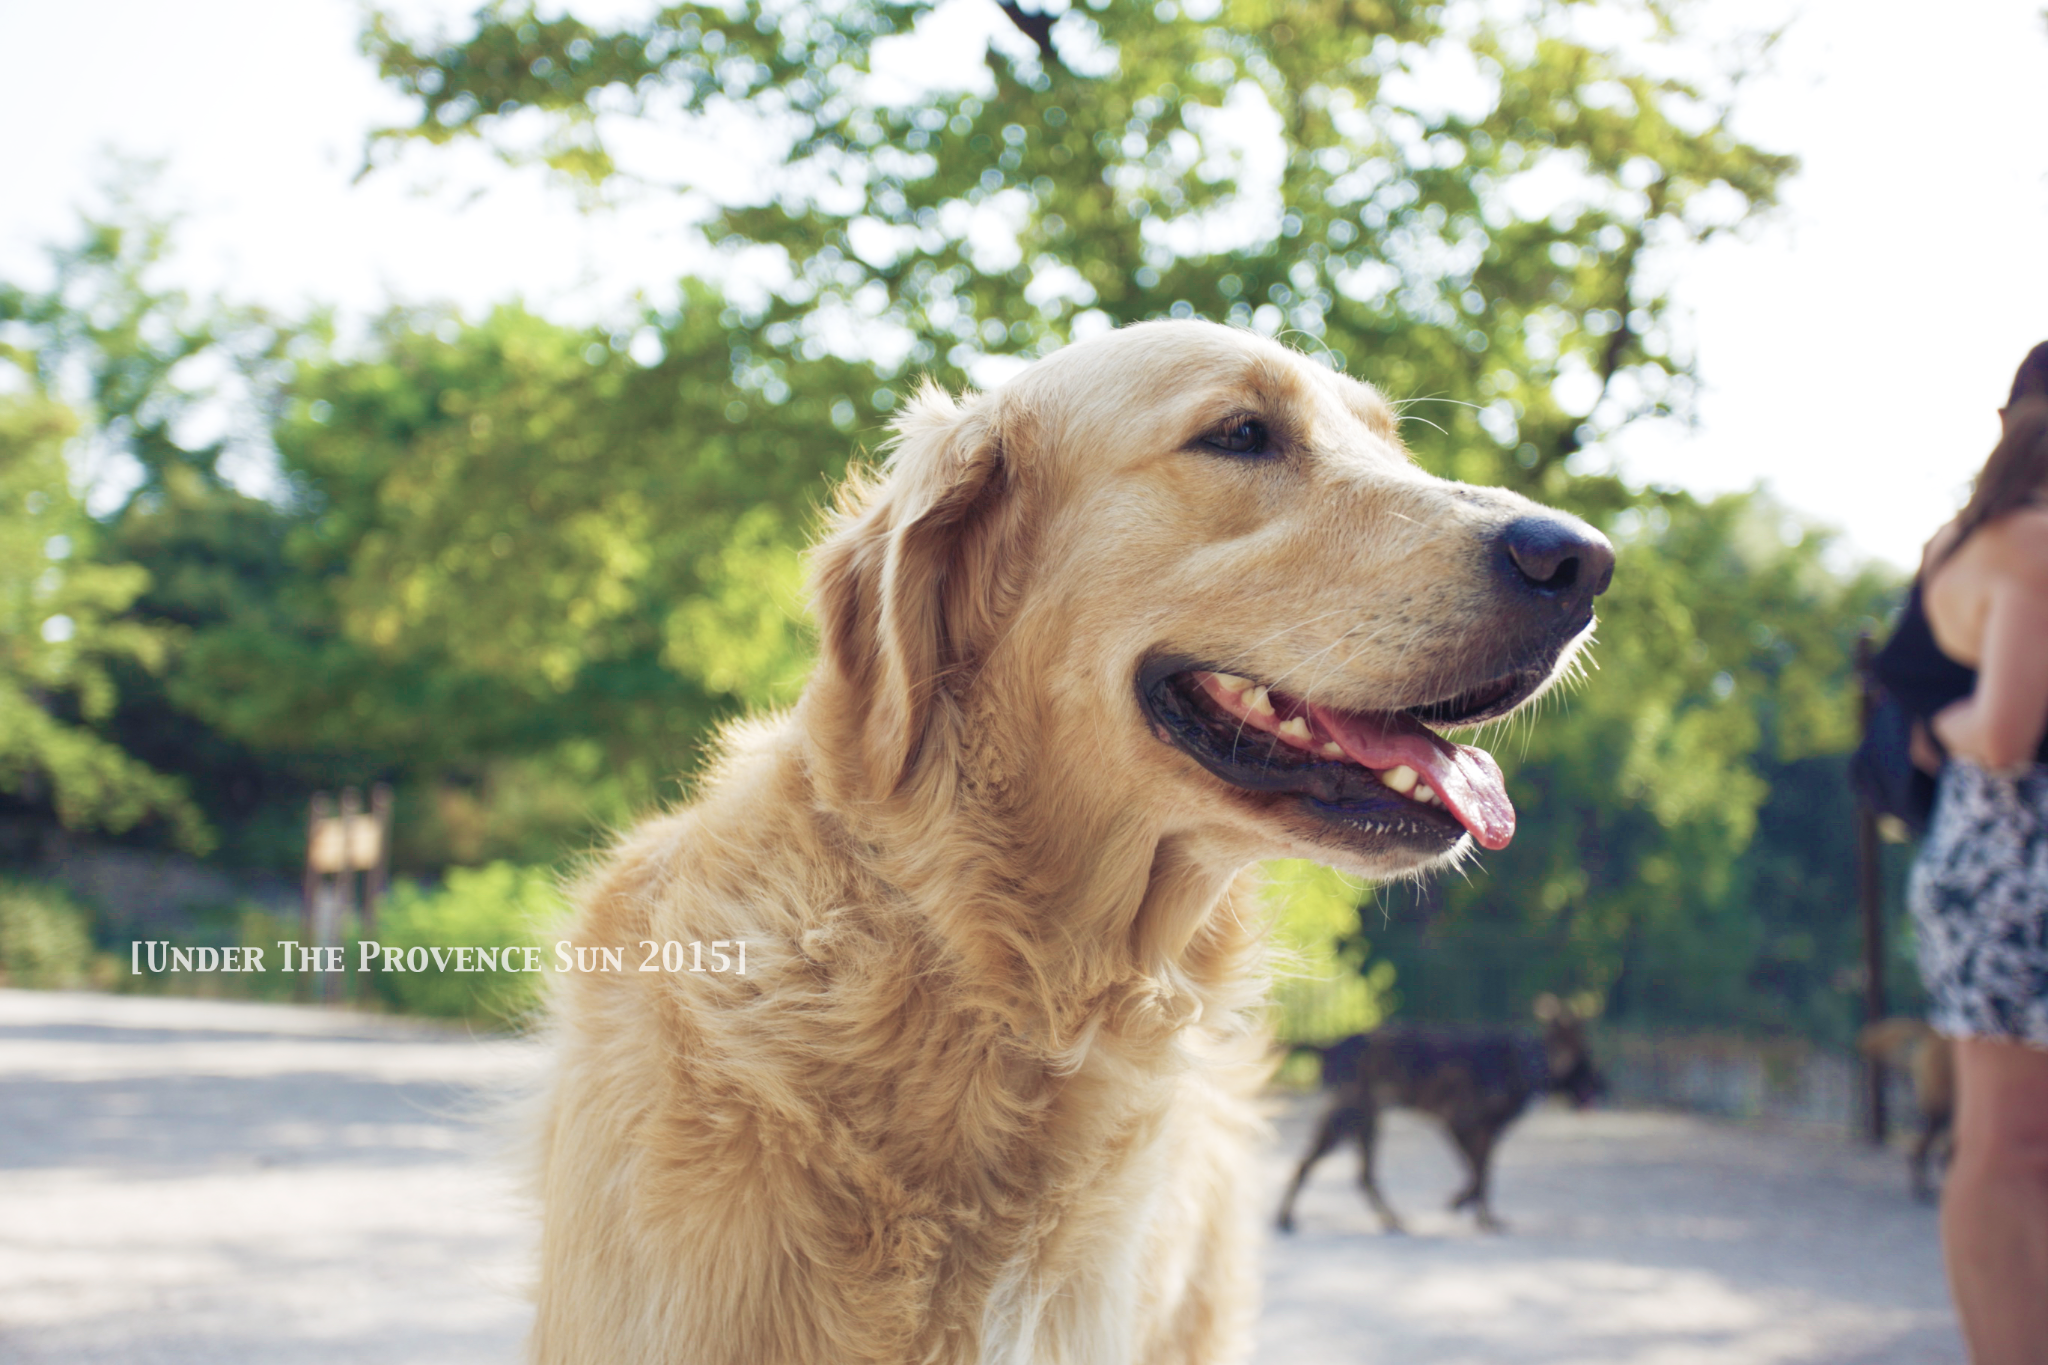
(1912,668)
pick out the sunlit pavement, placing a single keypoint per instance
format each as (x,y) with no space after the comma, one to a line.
(183,1181)
(1633,1239)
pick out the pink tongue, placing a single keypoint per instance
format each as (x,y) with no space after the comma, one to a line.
(1466,779)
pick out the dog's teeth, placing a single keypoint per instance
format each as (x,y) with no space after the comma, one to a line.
(1259,703)
(1295,728)
(1231,683)
(1423,794)
(1332,749)
(1401,779)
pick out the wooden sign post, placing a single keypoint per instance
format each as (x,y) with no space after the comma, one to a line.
(340,846)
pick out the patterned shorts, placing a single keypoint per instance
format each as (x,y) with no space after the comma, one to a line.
(1979,896)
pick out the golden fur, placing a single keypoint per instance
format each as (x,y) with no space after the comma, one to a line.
(983,1093)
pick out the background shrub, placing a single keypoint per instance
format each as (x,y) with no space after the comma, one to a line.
(45,937)
(1322,988)
(500,905)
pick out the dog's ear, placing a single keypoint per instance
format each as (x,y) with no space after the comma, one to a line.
(1548,1007)
(911,575)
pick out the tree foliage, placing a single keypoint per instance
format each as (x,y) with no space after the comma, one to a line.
(1287,164)
(547,512)
(61,633)
(168,392)
(521,569)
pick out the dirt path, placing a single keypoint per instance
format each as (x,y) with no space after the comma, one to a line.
(212,1184)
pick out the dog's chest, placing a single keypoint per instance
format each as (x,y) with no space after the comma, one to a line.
(1145,1232)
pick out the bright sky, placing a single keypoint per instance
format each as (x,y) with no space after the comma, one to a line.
(1854,347)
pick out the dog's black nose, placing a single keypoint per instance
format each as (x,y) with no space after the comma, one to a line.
(1559,557)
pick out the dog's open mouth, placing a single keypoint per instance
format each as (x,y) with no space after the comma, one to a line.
(1384,771)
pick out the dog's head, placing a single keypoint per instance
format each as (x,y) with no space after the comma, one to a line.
(1188,572)
(1567,1053)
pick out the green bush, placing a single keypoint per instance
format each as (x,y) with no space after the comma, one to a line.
(257,927)
(1322,988)
(500,905)
(45,940)
(220,924)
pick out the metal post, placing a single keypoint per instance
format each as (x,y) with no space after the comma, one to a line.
(1869,896)
(321,807)
(377,877)
(351,811)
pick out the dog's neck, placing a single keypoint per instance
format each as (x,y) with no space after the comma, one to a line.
(1066,911)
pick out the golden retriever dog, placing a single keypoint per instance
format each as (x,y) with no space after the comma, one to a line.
(1170,601)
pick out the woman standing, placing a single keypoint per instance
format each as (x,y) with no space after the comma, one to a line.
(1970,658)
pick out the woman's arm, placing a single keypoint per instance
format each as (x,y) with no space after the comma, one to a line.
(1921,749)
(2000,724)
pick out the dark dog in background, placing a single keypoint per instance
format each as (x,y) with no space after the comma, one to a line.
(1909,1045)
(1476,1083)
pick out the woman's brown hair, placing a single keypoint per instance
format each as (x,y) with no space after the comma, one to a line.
(2018,466)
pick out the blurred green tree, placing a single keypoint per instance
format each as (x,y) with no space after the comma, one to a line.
(1463,204)
(173,397)
(543,510)
(536,549)
(435,589)
(61,632)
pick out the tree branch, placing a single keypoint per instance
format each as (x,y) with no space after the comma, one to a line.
(1036,27)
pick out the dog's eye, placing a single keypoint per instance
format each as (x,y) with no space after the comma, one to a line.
(1239,436)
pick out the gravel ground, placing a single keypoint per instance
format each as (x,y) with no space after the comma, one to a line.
(211,1183)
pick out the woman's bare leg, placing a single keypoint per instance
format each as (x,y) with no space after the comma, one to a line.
(1994,1207)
